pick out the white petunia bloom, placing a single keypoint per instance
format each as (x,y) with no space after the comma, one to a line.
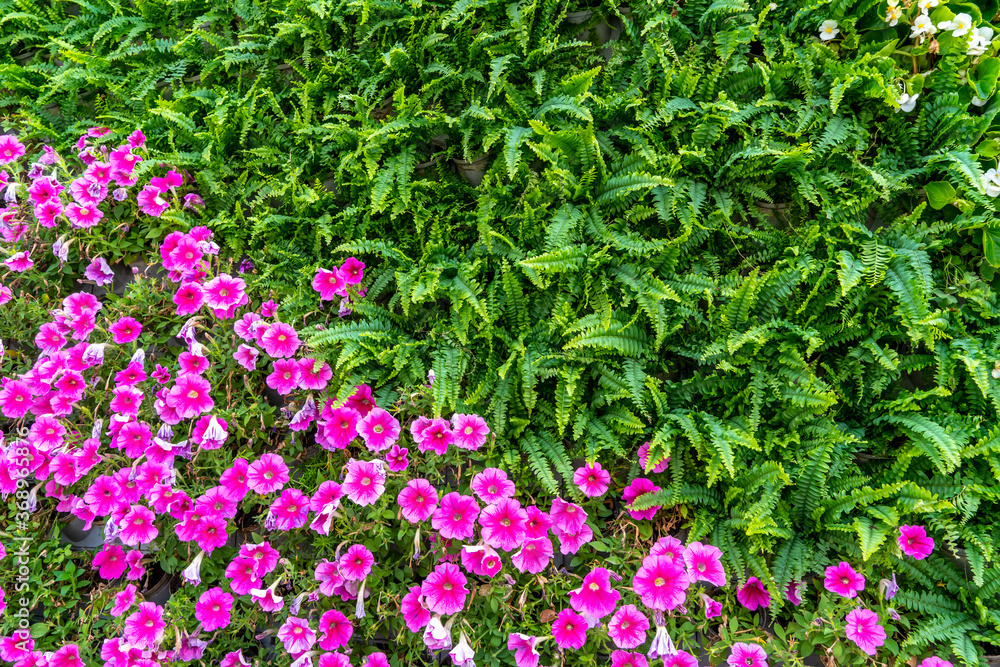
(907,102)
(922,25)
(981,38)
(828,30)
(960,25)
(991,183)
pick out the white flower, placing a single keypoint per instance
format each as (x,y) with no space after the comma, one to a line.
(981,38)
(893,14)
(926,4)
(828,30)
(960,25)
(922,25)
(991,183)
(907,102)
(772,6)
(978,102)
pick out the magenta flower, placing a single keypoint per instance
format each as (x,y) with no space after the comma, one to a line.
(627,628)
(83,216)
(417,500)
(670,547)
(296,635)
(566,516)
(747,655)
(341,427)
(713,608)
(328,575)
(327,283)
(569,630)
(189,299)
(356,563)
(843,580)
(126,400)
(638,487)
(364,482)
(324,503)
(661,583)
(315,375)
(481,560)
(267,474)
(570,541)
(524,648)
(246,356)
(10,148)
(533,556)
(415,614)
(290,510)
(352,271)
(455,518)
(753,594)
(704,563)
(144,628)
(110,562)
(644,457)
(863,629)
(210,533)
(469,431)
(504,524)
(538,524)
(19,262)
(151,201)
(190,396)
(626,659)
(138,527)
(224,293)
(444,590)
(934,661)
(234,479)
(913,540)
(492,485)
(124,600)
(213,609)
(284,379)
(335,630)
(680,659)
(792,592)
(281,340)
(361,400)
(596,596)
(435,436)
(379,430)
(592,480)
(396,458)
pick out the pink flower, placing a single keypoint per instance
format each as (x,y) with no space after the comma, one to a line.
(396,458)
(246,357)
(352,271)
(19,262)
(524,648)
(504,524)
(538,524)
(415,614)
(670,547)
(324,502)
(661,583)
(334,630)
(704,563)
(124,599)
(281,340)
(234,479)
(567,516)
(747,655)
(569,630)
(843,580)
(481,560)
(469,431)
(314,374)
(10,148)
(284,379)
(138,526)
(379,430)
(296,635)
(364,482)
(144,628)
(213,609)
(914,542)
(267,474)
(638,487)
(126,400)
(592,479)
(628,627)
(110,562)
(83,216)
(456,517)
(444,590)
(534,555)
(356,563)
(328,284)
(570,541)
(224,293)
(328,575)
(492,485)
(417,500)
(376,659)
(125,330)
(290,510)
(753,594)
(435,436)
(713,608)
(644,456)
(596,596)
(361,400)
(151,201)
(934,661)
(863,629)
(189,299)
(626,659)
(190,396)
(341,427)
(680,659)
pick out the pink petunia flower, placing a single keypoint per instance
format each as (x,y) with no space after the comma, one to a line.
(144,628)
(83,216)
(596,596)
(19,262)
(444,590)
(713,608)
(415,613)
(747,655)
(124,600)
(151,200)
(704,563)
(626,659)
(364,482)
(396,459)
(524,648)
(234,479)
(341,427)
(417,500)
(315,375)
(644,456)
(296,635)
(284,379)
(10,149)
(492,485)
(638,487)
(356,563)
(435,436)
(361,400)
(190,396)
(592,480)
(189,299)
(138,526)
(335,630)
(570,541)
(566,516)
(267,474)
(670,547)
(328,284)
(863,629)
(913,540)
(469,431)
(627,628)
(534,555)
(843,580)
(661,583)
(934,661)
(213,609)
(352,271)
(753,594)
(569,630)
(538,524)
(455,518)
(281,340)
(246,357)
(290,510)
(504,524)
(379,430)
(110,562)
(481,560)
